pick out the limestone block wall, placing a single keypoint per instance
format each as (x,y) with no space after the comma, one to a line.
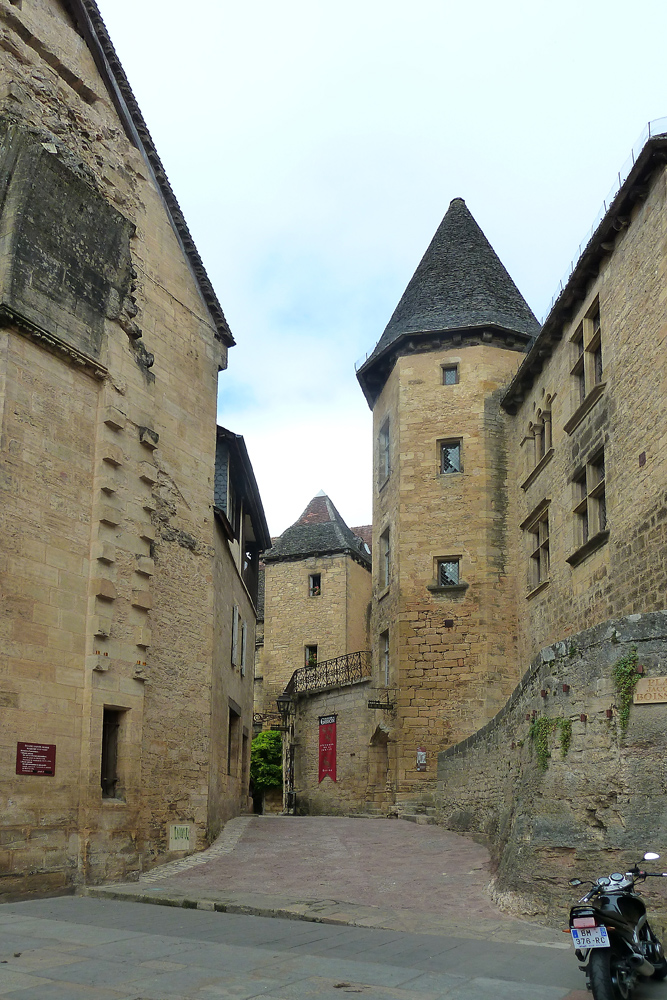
(109,360)
(452,648)
(601,802)
(365,775)
(626,418)
(231,694)
(293,619)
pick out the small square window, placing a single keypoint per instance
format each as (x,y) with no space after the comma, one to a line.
(310,656)
(450,374)
(448,573)
(450,457)
(314,585)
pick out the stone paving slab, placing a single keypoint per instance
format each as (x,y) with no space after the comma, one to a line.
(117,953)
(375,873)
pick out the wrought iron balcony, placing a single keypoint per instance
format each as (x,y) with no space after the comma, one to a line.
(342,670)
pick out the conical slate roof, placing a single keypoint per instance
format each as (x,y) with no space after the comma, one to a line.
(319,531)
(460,283)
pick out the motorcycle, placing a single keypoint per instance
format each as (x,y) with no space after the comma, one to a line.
(612,938)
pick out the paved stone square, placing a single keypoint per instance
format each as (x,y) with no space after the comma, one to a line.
(74,948)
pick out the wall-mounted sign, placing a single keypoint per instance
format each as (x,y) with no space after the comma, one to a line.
(327,747)
(650,690)
(179,837)
(421,759)
(36,758)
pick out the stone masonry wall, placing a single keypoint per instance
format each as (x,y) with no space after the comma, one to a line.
(364,775)
(293,619)
(107,446)
(452,648)
(598,806)
(628,572)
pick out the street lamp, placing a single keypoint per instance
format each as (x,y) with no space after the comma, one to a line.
(284,703)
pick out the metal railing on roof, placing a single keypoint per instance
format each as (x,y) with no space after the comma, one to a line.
(656,127)
(348,669)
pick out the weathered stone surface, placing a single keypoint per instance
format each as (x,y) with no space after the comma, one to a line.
(599,805)
(90,265)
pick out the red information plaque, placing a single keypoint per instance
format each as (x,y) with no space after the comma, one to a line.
(36,758)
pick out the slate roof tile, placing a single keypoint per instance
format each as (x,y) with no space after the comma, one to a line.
(320,530)
(460,283)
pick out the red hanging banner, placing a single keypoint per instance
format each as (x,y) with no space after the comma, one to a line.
(327,747)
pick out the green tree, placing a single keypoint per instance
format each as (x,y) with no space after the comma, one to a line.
(266,760)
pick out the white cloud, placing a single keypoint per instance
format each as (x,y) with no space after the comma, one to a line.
(315,148)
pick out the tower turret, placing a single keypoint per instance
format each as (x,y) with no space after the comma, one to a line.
(443,619)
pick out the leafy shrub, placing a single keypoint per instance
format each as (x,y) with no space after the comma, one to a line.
(266,760)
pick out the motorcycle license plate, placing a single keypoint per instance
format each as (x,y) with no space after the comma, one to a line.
(589,937)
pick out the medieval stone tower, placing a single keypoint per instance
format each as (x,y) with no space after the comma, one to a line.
(317,594)
(443,621)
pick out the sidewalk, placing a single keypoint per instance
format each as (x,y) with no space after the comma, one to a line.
(381,873)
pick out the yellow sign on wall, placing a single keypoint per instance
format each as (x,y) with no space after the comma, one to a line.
(651,690)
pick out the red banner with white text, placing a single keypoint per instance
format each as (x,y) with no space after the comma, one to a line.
(327,747)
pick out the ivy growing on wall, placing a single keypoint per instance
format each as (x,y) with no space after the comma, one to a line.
(625,679)
(565,726)
(540,731)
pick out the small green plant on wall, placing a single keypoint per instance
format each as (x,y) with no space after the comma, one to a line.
(625,680)
(565,726)
(540,731)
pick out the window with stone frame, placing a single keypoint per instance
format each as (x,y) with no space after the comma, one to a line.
(587,369)
(244,647)
(233,742)
(448,571)
(450,457)
(384,467)
(590,508)
(450,374)
(111,729)
(310,655)
(315,585)
(542,435)
(236,622)
(385,559)
(384,658)
(537,531)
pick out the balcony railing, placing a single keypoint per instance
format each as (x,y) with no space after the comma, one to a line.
(342,670)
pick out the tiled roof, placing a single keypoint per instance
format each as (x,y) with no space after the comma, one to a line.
(365,533)
(319,531)
(459,285)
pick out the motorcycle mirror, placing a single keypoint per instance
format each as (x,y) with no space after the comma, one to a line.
(575,881)
(651,856)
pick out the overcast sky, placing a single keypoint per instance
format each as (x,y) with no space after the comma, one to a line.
(314,148)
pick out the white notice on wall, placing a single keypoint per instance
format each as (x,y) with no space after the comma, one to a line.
(179,837)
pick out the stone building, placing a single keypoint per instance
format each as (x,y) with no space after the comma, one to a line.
(443,597)
(126,581)
(586,440)
(316,652)
(519,520)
